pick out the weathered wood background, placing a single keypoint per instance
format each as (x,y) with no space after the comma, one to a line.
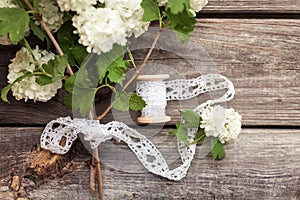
(258,53)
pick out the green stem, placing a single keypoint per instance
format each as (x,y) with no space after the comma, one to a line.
(160,18)
(32,12)
(131,58)
(42,73)
(198,139)
(106,85)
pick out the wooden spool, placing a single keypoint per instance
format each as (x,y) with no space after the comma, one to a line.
(151,120)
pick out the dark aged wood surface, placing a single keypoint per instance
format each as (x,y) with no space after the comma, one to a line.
(263,163)
(260,56)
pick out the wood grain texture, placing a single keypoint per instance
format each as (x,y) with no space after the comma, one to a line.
(15,145)
(252,6)
(261,57)
(262,61)
(262,163)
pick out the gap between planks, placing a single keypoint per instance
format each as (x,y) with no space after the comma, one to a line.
(261,164)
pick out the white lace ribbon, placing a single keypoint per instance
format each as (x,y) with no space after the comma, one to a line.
(96,133)
(154,94)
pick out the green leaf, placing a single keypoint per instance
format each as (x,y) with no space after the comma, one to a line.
(191,119)
(175,131)
(177,6)
(87,79)
(83,100)
(37,31)
(79,54)
(110,62)
(84,91)
(136,102)
(4,92)
(217,151)
(115,72)
(56,68)
(68,100)
(6,89)
(121,101)
(83,79)
(66,36)
(69,84)
(43,80)
(151,10)
(14,22)
(183,23)
(199,137)
(69,44)
(182,134)
(181,131)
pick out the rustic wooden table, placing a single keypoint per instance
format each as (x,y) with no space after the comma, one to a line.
(256,44)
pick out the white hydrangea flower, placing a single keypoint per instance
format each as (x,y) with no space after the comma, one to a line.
(28,88)
(76,5)
(197,5)
(51,14)
(131,13)
(99,29)
(7,4)
(220,122)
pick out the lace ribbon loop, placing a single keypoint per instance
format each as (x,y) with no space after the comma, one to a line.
(59,134)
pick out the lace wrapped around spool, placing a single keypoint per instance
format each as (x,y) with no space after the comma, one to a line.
(96,133)
(152,89)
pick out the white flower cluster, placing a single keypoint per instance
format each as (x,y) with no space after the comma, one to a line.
(28,88)
(131,14)
(99,29)
(102,27)
(7,4)
(51,14)
(76,5)
(196,5)
(220,122)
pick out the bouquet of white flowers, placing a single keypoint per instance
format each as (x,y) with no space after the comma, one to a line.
(73,30)
(76,28)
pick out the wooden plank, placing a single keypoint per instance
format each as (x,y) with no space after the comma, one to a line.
(15,145)
(252,6)
(39,113)
(262,163)
(262,61)
(261,57)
